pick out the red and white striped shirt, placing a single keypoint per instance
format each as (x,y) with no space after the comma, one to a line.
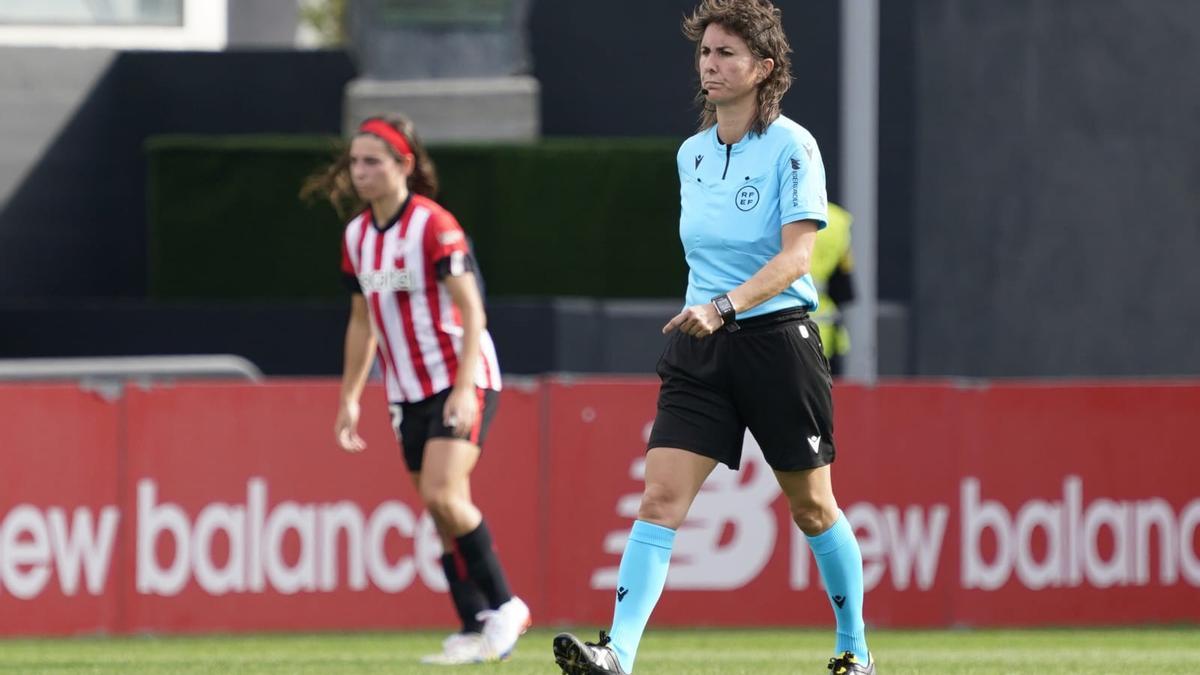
(416,325)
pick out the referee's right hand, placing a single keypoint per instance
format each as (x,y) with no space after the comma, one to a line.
(698,321)
(345,429)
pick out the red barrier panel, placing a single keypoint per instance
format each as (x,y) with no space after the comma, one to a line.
(1002,505)
(249,517)
(1064,504)
(227,507)
(58,514)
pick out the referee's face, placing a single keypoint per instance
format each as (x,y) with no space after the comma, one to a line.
(728,71)
(373,169)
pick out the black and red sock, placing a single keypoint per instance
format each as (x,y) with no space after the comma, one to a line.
(468,599)
(483,566)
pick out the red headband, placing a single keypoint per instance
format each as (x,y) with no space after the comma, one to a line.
(390,135)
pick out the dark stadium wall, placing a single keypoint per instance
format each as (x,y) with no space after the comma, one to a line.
(76,226)
(293,337)
(627,69)
(281,338)
(1058,211)
(897,159)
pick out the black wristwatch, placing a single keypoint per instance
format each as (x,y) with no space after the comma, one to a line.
(725,309)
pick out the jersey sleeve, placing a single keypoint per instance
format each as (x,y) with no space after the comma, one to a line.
(802,183)
(446,248)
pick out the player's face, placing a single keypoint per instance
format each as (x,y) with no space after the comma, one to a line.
(373,169)
(728,70)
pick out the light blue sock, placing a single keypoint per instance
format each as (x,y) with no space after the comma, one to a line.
(840,561)
(640,581)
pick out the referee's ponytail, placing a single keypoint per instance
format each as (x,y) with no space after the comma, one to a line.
(333,182)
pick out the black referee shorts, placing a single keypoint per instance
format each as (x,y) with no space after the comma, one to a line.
(771,377)
(417,422)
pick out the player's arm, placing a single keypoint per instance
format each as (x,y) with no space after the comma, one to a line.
(791,263)
(358,355)
(781,271)
(802,205)
(462,406)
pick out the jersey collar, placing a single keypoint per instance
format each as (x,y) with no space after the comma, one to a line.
(394,219)
(720,147)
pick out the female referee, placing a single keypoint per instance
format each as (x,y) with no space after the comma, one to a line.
(416,302)
(743,353)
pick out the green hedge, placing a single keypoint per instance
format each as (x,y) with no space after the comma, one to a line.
(587,217)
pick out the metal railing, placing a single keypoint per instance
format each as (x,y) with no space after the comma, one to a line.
(119,369)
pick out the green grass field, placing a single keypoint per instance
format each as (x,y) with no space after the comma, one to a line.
(727,652)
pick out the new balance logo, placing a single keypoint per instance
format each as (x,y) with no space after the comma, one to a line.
(795,164)
(839,600)
(699,158)
(814,442)
(621,593)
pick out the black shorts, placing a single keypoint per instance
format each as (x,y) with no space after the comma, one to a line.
(416,423)
(771,377)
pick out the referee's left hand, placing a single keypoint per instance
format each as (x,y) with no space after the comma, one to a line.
(697,321)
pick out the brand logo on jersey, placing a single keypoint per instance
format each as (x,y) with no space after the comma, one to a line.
(814,442)
(699,158)
(385,280)
(746,198)
(795,164)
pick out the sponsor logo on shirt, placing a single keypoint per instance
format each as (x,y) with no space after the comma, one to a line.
(795,183)
(385,280)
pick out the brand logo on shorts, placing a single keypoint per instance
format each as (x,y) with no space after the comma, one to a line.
(814,442)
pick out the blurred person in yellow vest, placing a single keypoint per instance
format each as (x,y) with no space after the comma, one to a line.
(831,268)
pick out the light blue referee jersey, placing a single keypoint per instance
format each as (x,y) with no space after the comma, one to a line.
(735,200)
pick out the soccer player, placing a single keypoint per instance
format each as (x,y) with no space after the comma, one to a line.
(743,353)
(416,302)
